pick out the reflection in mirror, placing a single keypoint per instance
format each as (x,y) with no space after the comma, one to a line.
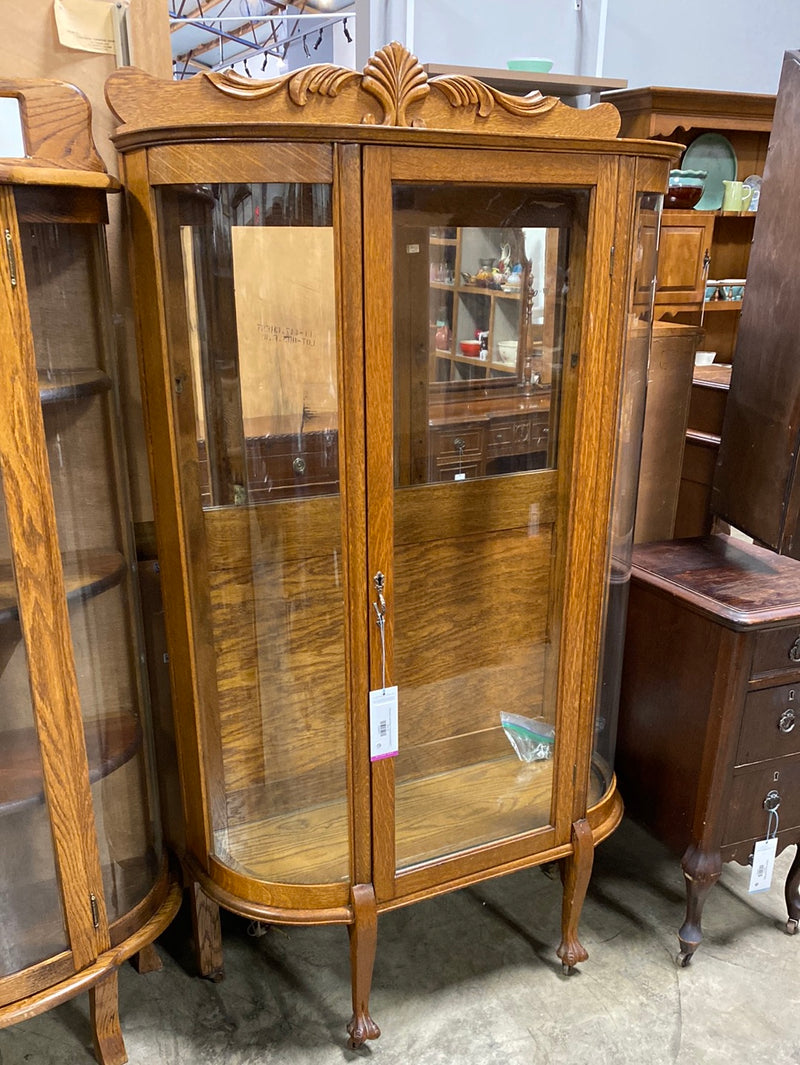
(12,142)
(258,263)
(482,275)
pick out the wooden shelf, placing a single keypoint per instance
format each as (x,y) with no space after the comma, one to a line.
(60,386)
(722,305)
(430,812)
(86,574)
(110,742)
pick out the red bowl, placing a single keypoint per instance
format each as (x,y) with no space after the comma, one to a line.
(683,196)
(470,347)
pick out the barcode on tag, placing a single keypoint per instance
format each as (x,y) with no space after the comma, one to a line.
(763,863)
(382,723)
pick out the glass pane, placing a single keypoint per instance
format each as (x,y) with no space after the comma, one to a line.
(31,917)
(258,326)
(491,279)
(66,277)
(638,329)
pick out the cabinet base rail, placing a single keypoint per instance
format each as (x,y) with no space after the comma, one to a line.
(100,979)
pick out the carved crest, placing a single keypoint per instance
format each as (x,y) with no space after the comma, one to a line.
(333,95)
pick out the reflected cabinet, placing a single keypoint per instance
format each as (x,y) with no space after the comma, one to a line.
(394,336)
(84,884)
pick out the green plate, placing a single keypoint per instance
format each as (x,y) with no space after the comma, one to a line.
(713,153)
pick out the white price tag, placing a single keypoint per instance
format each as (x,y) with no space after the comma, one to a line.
(763,863)
(382,723)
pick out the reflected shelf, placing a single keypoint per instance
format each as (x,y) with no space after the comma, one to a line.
(61,386)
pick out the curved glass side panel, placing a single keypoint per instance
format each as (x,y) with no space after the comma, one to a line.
(638,330)
(490,283)
(31,916)
(255,321)
(66,276)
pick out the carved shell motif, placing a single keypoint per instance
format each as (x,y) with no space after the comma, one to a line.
(395,77)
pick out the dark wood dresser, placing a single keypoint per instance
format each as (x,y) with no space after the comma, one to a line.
(708,737)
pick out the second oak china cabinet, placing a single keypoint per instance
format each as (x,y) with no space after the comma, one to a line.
(386,573)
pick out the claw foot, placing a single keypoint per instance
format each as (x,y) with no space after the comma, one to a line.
(360,1029)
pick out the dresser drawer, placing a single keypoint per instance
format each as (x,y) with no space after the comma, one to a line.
(770,724)
(746,817)
(777,651)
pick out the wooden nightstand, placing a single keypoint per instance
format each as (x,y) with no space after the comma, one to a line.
(709,707)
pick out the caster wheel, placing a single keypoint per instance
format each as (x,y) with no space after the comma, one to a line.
(683,959)
(791,927)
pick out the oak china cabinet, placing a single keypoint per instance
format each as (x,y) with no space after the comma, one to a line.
(387,559)
(84,883)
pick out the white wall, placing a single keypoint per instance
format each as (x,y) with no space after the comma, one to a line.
(736,45)
(704,44)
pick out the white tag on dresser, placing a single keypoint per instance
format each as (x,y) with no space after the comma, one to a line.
(382,723)
(763,864)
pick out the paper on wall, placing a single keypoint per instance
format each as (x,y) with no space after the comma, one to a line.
(87,25)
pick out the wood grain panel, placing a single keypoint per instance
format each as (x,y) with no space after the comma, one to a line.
(278,619)
(181,163)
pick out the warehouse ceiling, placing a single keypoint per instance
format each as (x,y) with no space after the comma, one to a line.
(216,34)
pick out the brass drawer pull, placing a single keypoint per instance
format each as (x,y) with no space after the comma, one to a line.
(299,465)
(460,443)
(787,721)
(794,650)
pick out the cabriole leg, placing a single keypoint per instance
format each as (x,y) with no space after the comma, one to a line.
(575,872)
(363,934)
(701,871)
(792,893)
(207,934)
(109,1048)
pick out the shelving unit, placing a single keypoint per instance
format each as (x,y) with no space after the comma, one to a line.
(85,881)
(465,310)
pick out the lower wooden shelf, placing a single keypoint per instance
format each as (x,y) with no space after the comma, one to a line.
(475,804)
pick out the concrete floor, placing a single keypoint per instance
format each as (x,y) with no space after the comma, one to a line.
(472,978)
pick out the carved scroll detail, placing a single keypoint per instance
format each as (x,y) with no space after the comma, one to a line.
(396,79)
(324,79)
(464,91)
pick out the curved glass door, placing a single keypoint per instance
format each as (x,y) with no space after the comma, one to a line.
(255,326)
(636,350)
(65,271)
(489,280)
(31,914)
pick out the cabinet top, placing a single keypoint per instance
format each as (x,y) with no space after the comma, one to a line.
(658,110)
(56,129)
(392,102)
(735,582)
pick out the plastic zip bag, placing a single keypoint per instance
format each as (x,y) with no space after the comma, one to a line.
(531,739)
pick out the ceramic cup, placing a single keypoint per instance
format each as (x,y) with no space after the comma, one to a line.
(736,196)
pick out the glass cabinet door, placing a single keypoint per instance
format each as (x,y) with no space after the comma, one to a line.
(491,547)
(31,915)
(479,404)
(65,272)
(252,332)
